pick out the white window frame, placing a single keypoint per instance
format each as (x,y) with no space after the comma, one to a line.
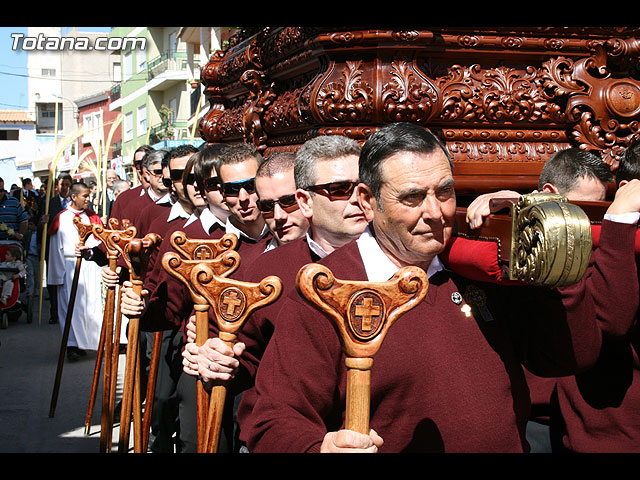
(127,131)
(141,120)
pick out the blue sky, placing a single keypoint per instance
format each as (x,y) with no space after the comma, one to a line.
(13,68)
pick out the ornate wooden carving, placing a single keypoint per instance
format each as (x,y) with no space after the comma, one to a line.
(502,99)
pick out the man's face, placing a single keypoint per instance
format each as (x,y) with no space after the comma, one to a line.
(333,217)
(63,187)
(213,196)
(111,177)
(137,163)
(155,179)
(415,217)
(80,201)
(241,204)
(286,223)
(176,167)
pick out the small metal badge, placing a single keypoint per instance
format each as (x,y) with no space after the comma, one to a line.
(456,298)
(478,299)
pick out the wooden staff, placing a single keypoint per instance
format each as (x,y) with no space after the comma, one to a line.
(220,255)
(362,313)
(232,302)
(137,253)
(113,240)
(84,231)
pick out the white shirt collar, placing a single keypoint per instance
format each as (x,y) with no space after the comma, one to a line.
(208,220)
(231,228)
(378,265)
(166,198)
(272,244)
(177,211)
(314,247)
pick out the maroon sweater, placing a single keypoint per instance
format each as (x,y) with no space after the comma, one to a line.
(600,408)
(283,262)
(441,381)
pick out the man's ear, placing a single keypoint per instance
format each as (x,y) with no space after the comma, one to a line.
(549,188)
(622,182)
(366,200)
(305,202)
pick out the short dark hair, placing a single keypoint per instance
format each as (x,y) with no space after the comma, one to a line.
(182,151)
(238,153)
(276,163)
(16,252)
(565,167)
(389,140)
(78,187)
(205,161)
(629,167)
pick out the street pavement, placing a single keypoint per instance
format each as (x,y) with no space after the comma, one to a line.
(28,363)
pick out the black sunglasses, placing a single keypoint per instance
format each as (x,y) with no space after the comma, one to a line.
(286,202)
(335,190)
(167,182)
(232,189)
(212,184)
(156,171)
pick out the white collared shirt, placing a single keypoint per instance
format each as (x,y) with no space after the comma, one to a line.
(231,228)
(208,220)
(378,265)
(177,211)
(314,247)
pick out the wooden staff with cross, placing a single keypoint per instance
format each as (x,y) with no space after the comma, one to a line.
(222,258)
(232,302)
(362,313)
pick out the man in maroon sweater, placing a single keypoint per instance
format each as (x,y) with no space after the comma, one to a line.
(599,410)
(442,380)
(325,174)
(578,175)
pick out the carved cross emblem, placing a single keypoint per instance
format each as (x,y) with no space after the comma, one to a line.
(232,303)
(203,252)
(366,314)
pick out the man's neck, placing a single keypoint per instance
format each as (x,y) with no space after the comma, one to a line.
(328,243)
(186,205)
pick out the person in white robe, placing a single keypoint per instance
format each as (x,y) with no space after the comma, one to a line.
(87,316)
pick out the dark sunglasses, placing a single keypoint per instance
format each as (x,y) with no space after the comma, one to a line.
(232,189)
(156,171)
(287,203)
(167,182)
(335,190)
(212,184)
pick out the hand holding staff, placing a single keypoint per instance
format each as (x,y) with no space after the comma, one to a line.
(84,231)
(223,260)
(362,313)
(113,240)
(232,302)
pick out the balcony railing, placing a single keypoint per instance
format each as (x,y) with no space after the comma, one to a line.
(169,61)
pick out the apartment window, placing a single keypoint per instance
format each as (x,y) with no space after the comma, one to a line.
(48,72)
(128,127)
(142,120)
(117,72)
(92,123)
(141,58)
(128,66)
(9,135)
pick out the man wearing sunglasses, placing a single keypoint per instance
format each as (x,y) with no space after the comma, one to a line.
(276,188)
(333,222)
(237,171)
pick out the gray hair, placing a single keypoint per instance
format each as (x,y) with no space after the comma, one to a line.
(321,148)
